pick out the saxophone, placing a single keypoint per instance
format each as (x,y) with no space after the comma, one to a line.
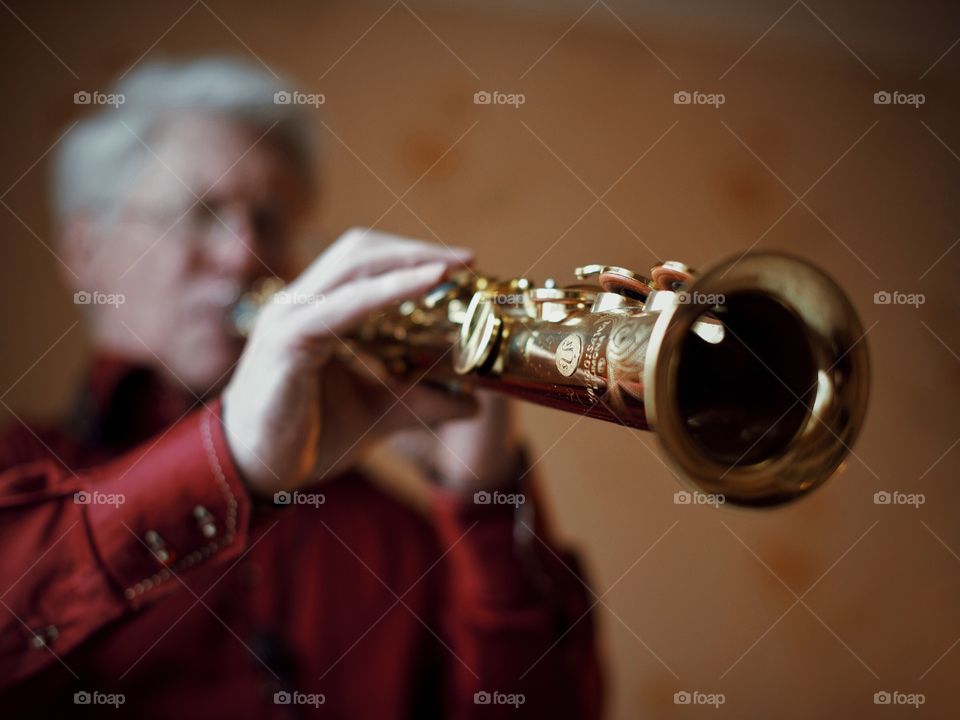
(754,374)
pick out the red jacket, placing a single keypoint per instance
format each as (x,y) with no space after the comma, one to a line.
(162,590)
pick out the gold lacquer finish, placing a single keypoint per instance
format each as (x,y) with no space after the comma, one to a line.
(754,374)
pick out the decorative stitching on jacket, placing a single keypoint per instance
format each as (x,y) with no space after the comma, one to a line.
(230,522)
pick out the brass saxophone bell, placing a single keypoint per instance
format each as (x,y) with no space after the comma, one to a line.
(772,411)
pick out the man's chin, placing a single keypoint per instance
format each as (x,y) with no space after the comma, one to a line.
(208,368)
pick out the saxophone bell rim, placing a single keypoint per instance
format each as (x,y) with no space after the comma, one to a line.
(839,381)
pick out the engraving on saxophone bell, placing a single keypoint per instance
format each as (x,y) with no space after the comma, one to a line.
(626,353)
(568,354)
(595,362)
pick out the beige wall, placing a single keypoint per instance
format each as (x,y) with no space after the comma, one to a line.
(719,583)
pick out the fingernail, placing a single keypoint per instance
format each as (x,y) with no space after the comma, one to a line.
(431,269)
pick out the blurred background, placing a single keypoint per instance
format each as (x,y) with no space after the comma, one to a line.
(806,611)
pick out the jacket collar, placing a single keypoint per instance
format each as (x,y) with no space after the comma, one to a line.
(123,403)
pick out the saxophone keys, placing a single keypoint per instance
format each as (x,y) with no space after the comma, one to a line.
(608,301)
(671,275)
(478,335)
(614,279)
(555,304)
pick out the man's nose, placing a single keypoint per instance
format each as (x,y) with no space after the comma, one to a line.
(237,245)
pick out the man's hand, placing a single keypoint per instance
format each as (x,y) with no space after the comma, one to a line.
(476,453)
(294,412)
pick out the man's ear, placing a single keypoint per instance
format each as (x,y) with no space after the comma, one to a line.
(78,248)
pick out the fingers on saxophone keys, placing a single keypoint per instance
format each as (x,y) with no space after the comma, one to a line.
(363,253)
(402,254)
(348,304)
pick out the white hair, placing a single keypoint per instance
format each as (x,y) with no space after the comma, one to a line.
(105,150)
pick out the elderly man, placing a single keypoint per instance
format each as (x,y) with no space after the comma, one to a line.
(147,570)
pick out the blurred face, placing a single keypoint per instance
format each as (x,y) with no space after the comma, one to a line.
(210,213)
